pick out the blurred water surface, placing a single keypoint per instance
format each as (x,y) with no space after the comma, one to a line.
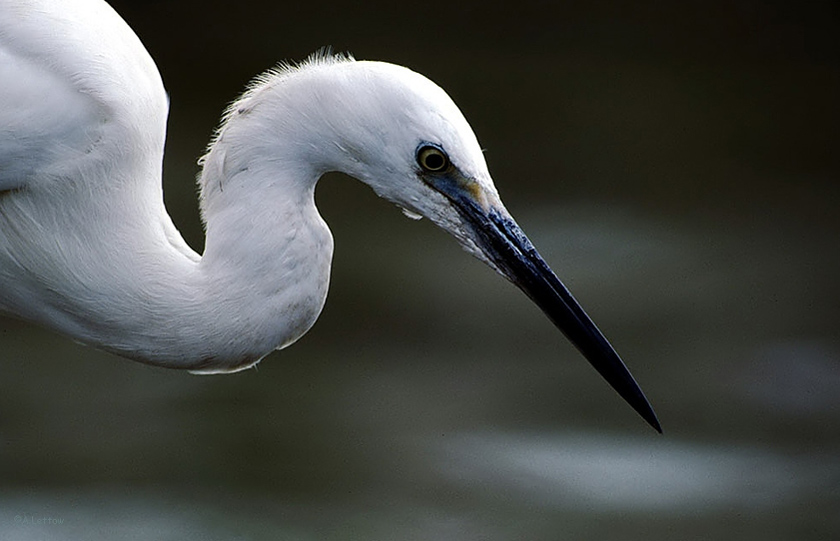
(678,170)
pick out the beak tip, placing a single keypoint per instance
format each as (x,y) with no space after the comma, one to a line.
(650,417)
(620,379)
(639,402)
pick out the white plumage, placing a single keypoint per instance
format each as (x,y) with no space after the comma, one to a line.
(86,245)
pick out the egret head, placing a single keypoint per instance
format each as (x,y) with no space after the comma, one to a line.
(428,154)
(413,146)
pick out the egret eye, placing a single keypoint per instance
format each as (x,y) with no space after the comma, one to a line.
(432,159)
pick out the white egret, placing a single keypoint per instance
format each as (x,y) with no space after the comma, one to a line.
(88,249)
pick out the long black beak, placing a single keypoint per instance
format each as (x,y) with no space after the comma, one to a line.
(506,245)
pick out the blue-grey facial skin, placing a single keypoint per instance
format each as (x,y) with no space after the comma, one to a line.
(505,244)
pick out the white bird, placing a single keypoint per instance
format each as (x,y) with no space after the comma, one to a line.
(88,249)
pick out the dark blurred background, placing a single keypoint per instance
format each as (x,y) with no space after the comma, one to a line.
(677,165)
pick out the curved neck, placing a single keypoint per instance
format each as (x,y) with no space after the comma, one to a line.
(116,273)
(268,252)
(267,256)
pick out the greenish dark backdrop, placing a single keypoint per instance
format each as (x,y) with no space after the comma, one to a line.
(677,165)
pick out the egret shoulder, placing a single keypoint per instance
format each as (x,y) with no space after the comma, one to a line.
(78,87)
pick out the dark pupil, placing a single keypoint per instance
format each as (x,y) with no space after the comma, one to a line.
(434,161)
